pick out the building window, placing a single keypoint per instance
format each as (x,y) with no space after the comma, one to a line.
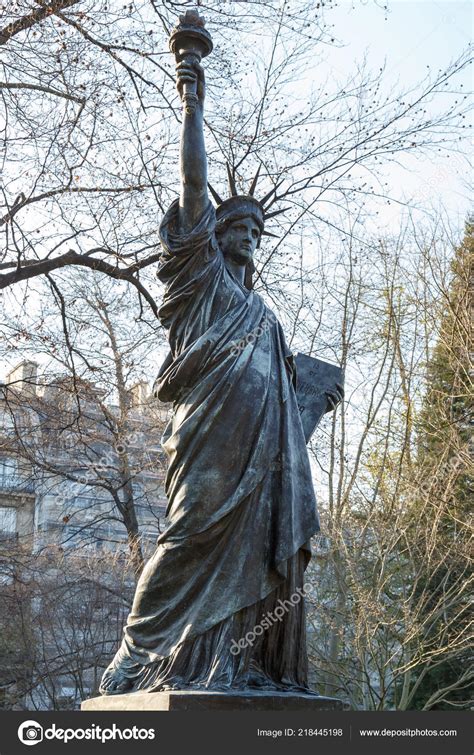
(6,421)
(7,521)
(8,469)
(12,479)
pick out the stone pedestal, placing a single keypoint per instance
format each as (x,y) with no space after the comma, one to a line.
(213,701)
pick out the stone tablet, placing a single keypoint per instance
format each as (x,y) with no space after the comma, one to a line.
(313,378)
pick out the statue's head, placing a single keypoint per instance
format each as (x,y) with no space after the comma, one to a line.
(239,227)
(240,222)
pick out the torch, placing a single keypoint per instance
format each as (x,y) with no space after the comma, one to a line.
(191,41)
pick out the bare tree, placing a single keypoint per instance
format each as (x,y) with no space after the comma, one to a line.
(91,131)
(93,447)
(393,597)
(68,611)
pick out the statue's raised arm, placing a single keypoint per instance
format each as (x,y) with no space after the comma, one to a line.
(190,42)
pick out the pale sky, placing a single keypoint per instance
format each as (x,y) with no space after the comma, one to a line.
(411,38)
(411,35)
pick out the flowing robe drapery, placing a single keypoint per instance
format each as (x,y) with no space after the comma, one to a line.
(241,502)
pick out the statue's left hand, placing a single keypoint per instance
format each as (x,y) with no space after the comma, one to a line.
(334,397)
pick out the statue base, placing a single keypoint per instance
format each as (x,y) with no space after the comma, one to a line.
(213,701)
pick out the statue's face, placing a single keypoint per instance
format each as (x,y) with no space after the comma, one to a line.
(239,240)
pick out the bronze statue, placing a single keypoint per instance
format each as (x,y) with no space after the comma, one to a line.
(241,503)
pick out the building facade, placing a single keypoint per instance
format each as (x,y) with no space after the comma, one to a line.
(81,499)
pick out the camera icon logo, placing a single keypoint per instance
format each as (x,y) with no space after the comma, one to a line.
(30,732)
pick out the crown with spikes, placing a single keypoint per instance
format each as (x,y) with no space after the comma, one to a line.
(244,205)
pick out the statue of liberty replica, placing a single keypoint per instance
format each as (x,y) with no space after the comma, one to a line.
(241,506)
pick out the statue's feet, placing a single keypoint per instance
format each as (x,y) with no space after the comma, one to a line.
(114,681)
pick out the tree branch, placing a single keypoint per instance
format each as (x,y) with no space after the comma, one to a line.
(26,22)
